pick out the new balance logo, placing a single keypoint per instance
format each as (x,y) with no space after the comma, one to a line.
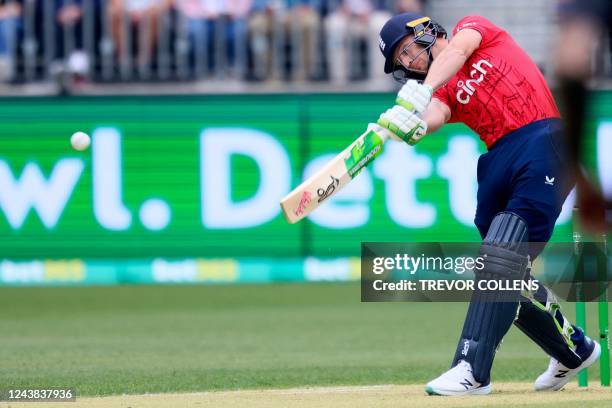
(466,348)
(466,383)
(561,373)
(550,181)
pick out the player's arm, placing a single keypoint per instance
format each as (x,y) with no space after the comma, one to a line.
(436,115)
(452,58)
(416,97)
(415,114)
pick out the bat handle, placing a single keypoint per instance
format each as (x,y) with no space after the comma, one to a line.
(383,133)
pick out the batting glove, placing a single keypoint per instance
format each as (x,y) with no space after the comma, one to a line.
(406,126)
(414,96)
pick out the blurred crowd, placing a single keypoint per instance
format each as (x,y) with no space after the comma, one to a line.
(256,40)
(335,41)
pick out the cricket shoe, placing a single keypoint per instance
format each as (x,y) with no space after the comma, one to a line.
(459,380)
(557,375)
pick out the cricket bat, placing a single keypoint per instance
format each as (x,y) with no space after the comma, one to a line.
(336,174)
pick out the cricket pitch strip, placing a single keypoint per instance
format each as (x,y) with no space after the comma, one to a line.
(504,395)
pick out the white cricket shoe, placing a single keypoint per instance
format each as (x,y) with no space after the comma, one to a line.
(459,380)
(557,375)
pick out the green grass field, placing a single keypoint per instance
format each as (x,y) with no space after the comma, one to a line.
(136,339)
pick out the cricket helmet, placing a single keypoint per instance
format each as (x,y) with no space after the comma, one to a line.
(425,30)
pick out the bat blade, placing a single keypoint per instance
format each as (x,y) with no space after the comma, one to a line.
(336,174)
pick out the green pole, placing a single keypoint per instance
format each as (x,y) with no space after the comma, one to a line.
(583,376)
(604,335)
(604,341)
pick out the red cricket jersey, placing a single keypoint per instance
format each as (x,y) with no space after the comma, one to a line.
(499,89)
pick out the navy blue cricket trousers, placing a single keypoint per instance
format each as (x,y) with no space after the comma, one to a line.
(524,172)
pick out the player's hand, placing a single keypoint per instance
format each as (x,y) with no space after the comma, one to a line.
(406,126)
(414,96)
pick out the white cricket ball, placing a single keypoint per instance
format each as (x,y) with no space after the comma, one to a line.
(80,141)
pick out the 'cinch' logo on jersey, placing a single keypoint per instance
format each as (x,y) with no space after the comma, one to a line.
(467,89)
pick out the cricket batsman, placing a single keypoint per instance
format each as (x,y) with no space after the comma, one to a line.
(482,78)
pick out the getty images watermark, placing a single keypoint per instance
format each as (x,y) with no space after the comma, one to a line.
(452,272)
(448,264)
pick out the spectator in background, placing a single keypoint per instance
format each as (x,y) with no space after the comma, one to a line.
(70,35)
(273,25)
(352,23)
(409,6)
(217,31)
(143,18)
(52,37)
(10,21)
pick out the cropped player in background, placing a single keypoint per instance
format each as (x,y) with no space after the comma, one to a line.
(583,22)
(482,78)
